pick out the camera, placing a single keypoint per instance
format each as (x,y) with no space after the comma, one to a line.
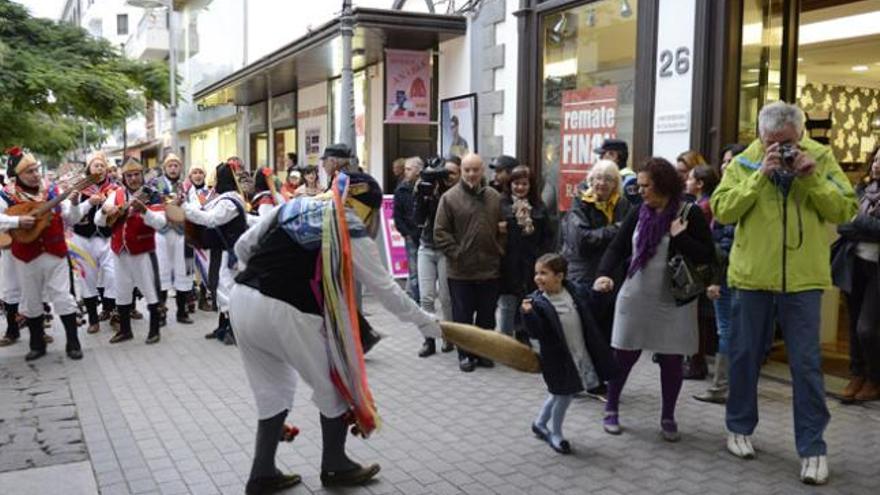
(434,173)
(789,153)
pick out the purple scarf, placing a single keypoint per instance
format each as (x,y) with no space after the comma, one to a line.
(652,227)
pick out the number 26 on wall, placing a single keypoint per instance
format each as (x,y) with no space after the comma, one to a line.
(680,61)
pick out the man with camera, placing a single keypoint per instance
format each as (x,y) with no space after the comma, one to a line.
(406,225)
(781,192)
(470,231)
(440,175)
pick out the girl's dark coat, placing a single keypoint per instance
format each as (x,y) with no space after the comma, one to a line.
(557,365)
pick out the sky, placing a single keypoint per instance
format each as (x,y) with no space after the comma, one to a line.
(44,8)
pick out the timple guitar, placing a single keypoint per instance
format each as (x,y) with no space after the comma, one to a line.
(42,211)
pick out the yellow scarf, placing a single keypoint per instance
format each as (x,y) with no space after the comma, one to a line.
(606,207)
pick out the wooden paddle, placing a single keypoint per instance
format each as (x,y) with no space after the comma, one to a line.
(492,345)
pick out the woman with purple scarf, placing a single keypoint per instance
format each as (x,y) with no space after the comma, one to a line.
(647,316)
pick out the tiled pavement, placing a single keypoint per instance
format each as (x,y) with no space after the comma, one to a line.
(178,417)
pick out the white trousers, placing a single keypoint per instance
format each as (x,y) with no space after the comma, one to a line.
(10,291)
(277,342)
(99,249)
(138,270)
(174,271)
(225,281)
(46,277)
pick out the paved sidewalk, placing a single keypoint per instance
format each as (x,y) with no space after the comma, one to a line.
(178,417)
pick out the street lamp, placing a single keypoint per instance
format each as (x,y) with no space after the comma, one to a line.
(172,58)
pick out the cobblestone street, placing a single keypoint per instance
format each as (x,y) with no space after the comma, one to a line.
(178,417)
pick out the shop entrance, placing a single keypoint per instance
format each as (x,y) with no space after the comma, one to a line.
(822,55)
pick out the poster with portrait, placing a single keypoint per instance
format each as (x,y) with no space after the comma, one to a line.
(458,129)
(394,243)
(408,87)
(589,117)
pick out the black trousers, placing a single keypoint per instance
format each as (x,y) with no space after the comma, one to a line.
(474,303)
(864,321)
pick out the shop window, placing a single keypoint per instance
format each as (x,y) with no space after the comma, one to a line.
(285,147)
(589,59)
(761,61)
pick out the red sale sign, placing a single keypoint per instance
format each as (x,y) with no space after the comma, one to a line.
(589,116)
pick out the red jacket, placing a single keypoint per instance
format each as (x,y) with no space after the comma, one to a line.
(52,239)
(132,235)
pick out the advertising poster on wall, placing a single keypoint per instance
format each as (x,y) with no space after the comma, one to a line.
(313,145)
(458,130)
(408,87)
(395,244)
(589,116)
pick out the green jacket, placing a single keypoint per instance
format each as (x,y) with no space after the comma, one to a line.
(755,204)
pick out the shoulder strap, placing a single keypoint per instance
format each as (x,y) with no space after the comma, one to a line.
(684,210)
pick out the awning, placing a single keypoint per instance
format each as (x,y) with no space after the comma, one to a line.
(317,56)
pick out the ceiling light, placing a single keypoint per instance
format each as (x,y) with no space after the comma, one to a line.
(625,9)
(841,28)
(562,68)
(800,59)
(859,68)
(754,71)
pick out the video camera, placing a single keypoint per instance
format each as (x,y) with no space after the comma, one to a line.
(433,174)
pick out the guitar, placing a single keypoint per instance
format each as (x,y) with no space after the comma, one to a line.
(142,195)
(42,211)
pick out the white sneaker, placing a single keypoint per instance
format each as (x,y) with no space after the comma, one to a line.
(740,445)
(814,470)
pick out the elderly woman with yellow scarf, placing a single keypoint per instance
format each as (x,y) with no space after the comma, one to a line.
(589,227)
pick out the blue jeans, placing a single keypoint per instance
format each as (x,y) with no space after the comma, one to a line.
(508,306)
(412,260)
(722,319)
(752,317)
(433,284)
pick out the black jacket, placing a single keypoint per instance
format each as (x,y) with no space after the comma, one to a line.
(863,228)
(403,211)
(586,233)
(518,262)
(557,365)
(695,243)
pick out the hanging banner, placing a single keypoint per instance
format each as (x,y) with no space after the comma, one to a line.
(395,244)
(589,116)
(408,87)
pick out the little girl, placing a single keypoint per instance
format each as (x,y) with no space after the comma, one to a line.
(574,354)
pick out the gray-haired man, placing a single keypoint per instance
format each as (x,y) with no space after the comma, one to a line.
(781,192)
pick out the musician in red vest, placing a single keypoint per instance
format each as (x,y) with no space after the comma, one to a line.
(133,242)
(94,241)
(41,266)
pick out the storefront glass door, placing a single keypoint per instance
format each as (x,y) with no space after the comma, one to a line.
(761,61)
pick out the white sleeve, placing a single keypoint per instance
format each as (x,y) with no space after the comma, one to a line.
(71,214)
(264,209)
(369,271)
(83,207)
(219,214)
(7,222)
(100,217)
(249,241)
(155,219)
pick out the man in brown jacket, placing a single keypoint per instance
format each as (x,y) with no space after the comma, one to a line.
(469,231)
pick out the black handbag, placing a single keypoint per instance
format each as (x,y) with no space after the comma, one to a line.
(688,280)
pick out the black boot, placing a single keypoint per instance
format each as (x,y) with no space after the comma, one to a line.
(163,308)
(153,336)
(429,347)
(182,300)
(369,336)
(92,310)
(219,332)
(37,342)
(108,307)
(73,348)
(336,468)
(124,331)
(12,331)
(265,477)
(204,305)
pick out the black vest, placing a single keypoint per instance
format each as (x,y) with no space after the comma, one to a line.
(284,270)
(86,227)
